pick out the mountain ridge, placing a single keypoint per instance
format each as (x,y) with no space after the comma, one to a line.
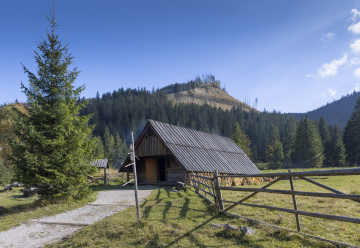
(337,112)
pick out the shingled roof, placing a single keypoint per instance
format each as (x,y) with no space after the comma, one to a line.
(203,152)
(100,163)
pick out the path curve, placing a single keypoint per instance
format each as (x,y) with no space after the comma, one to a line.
(47,230)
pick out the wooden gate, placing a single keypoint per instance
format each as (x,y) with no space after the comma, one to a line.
(211,186)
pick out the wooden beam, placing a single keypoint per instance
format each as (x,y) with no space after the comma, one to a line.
(251,195)
(295,204)
(288,192)
(317,215)
(325,187)
(218,191)
(105,176)
(338,172)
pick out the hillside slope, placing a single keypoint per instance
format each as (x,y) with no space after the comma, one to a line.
(337,112)
(211,94)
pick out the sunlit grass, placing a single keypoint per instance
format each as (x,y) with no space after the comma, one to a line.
(172,219)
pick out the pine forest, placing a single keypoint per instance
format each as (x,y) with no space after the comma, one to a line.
(271,137)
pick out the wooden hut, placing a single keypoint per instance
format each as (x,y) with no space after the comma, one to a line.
(101,163)
(167,152)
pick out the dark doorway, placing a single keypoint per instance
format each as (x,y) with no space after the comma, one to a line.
(162,169)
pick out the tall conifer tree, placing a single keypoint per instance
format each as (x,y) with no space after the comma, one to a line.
(308,150)
(325,139)
(338,152)
(289,141)
(352,136)
(54,149)
(275,153)
(241,139)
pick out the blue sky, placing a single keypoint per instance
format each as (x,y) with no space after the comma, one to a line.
(293,56)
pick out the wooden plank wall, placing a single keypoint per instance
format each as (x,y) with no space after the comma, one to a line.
(151,146)
(175,171)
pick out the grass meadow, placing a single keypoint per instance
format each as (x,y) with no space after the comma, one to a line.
(181,219)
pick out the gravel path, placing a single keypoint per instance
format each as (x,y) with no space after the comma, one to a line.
(39,232)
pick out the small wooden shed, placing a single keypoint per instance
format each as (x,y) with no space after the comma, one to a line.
(167,152)
(101,163)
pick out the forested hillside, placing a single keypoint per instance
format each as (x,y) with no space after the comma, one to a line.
(279,139)
(124,111)
(337,112)
(273,137)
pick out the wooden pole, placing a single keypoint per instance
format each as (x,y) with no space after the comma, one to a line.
(295,204)
(105,176)
(197,185)
(127,176)
(135,178)
(218,191)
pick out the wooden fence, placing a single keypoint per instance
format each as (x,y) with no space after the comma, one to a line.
(210,186)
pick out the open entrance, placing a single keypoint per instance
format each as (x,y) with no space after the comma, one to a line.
(162,169)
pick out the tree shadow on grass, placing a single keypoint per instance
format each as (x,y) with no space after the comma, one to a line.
(190,235)
(166,209)
(184,208)
(238,237)
(157,198)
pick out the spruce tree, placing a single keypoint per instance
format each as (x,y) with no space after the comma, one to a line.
(325,139)
(109,147)
(289,141)
(352,136)
(308,150)
(275,155)
(121,151)
(241,139)
(338,152)
(55,150)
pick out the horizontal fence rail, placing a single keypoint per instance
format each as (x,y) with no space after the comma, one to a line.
(337,172)
(204,186)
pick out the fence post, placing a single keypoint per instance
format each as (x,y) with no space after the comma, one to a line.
(196,185)
(295,204)
(213,191)
(218,191)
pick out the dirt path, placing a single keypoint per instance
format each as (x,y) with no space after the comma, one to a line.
(39,232)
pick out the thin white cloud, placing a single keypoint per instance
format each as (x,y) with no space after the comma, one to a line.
(357,72)
(329,92)
(327,36)
(355,28)
(355,13)
(355,46)
(356,88)
(332,68)
(354,61)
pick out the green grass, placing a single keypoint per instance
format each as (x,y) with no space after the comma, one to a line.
(16,209)
(262,166)
(334,230)
(172,219)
